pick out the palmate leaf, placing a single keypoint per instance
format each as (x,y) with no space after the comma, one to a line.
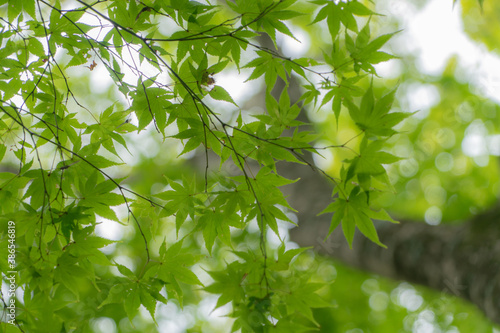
(214,224)
(373,115)
(369,163)
(175,263)
(132,291)
(273,22)
(135,293)
(266,185)
(180,201)
(86,245)
(227,283)
(285,257)
(371,158)
(337,13)
(303,297)
(70,274)
(268,66)
(355,212)
(150,103)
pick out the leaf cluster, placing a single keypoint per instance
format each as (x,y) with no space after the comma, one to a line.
(64,179)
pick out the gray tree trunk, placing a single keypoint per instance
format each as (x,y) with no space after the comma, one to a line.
(461,259)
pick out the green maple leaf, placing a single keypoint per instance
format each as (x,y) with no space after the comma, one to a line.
(355,212)
(214,224)
(86,245)
(227,283)
(285,257)
(373,116)
(303,297)
(174,268)
(369,163)
(181,201)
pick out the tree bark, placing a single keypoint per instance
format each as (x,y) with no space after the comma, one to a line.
(462,259)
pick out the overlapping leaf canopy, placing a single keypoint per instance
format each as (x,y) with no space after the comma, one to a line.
(64,156)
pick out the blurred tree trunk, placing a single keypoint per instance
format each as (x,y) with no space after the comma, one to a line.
(460,259)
